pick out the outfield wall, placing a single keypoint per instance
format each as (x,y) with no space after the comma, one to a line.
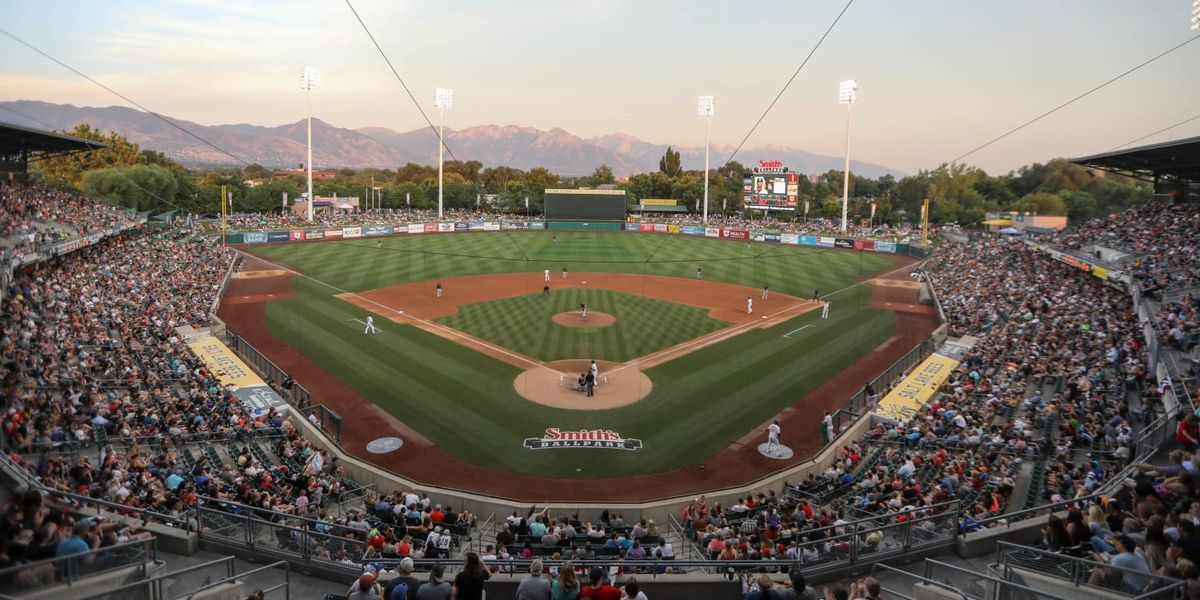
(765,236)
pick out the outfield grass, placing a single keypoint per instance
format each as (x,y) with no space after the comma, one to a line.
(359,265)
(524,324)
(464,401)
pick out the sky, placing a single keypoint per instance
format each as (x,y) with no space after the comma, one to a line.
(936,77)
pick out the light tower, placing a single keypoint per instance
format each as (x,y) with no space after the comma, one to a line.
(442,99)
(1195,15)
(309,81)
(848,95)
(706,111)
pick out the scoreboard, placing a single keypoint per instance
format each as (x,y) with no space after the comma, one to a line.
(770,186)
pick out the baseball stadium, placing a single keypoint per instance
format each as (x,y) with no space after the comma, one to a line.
(451,364)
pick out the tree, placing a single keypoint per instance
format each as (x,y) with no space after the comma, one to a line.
(669,164)
(69,169)
(496,179)
(256,171)
(414,173)
(536,182)
(603,174)
(1042,203)
(1080,205)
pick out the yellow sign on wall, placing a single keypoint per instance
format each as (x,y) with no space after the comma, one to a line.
(659,202)
(223,363)
(903,402)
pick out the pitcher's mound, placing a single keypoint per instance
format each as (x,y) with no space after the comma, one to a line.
(555,385)
(594,319)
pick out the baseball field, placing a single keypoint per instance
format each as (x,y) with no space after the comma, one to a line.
(686,367)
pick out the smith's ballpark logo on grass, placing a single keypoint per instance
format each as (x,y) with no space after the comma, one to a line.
(584,438)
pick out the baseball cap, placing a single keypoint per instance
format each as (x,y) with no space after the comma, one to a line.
(366,581)
(406,565)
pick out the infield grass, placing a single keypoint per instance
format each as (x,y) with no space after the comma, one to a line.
(524,324)
(464,401)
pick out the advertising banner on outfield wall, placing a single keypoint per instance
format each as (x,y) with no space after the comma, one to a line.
(256,237)
(537,224)
(886,247)
(735,234)
(462,226)
(373,230)
(660,227)
(514,225)
(333,234)
(868,245)
(807,240)
(758,236)
(314,234)
(789,238)
(278,236)
(646,227)
(475,225)
(825,242)
(673,229)
(902,403)
(297,235)
(771,237)
(352,232)
(428,228)
(633,227)
(491,226)
(445,227)
(843,242)
(712,232)
(688,230)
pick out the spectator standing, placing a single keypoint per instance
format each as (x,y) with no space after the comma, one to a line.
(535,587)
(597,588)
(435,588)
(468,584)
(566,585)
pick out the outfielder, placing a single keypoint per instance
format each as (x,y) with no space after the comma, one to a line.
(371,328)
(825,311)
(773,432)
(546,273)
(749,305)
(766,291)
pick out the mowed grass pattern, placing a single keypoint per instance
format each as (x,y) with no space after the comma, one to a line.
(525,324)
(464,401)
(366,264)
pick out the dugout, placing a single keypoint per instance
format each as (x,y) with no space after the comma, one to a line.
(588,208)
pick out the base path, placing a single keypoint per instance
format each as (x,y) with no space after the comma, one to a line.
(421,461)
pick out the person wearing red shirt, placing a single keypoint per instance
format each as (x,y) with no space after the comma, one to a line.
(437,516)
(598,589)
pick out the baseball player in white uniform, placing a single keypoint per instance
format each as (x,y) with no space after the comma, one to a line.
(825,311)
(371,328)
(773,432)
(749,305)
(766,291)
(595,372)
(546,273)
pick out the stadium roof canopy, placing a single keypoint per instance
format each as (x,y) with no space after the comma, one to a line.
(16,140)
(1177,160)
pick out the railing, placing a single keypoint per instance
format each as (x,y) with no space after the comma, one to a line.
(67,570)
(329,421)
(979,586)
(488,525)
(1012,558)
(915,580)
(300,396)
(862,404)
(689,547)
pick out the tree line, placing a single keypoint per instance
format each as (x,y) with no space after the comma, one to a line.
(125,174)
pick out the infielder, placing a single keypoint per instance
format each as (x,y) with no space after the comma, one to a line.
(766,291)
(749,305)
(825,311)
(773,432)
(546,274)
(583,311)
(371,328)
(699,272)
(564,272)
(439,289)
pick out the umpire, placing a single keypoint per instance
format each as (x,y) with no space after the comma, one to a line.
(589,381)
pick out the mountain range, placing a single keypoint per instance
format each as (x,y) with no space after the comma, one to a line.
(493,145)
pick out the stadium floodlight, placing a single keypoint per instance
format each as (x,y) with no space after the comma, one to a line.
(309,81)
(442,99)
(706,111)
(1195,15)
(848,95)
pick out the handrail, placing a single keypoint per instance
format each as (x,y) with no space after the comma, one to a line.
(1005,549)
(487,524)
(147,547)
(875,567)
(287,577)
